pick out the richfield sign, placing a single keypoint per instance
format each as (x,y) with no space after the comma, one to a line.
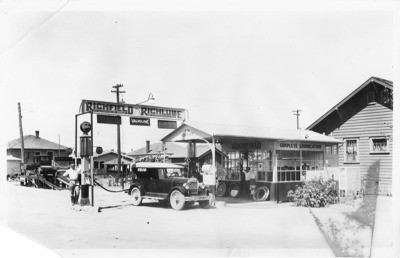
(110,108)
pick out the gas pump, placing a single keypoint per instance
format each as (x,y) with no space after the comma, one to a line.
(86,148)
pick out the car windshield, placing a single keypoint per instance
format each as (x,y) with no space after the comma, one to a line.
(174,172)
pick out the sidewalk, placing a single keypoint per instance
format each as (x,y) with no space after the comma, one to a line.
(382,239)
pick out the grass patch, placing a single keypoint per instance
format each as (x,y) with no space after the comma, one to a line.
(348,228)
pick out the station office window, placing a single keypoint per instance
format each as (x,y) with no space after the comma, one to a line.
(351,150)
(313,160)
(259,161)
(288,165)
(379,145)
(331,149)
(232,165)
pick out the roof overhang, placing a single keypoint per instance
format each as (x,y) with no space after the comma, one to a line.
(201,133)
(378,81)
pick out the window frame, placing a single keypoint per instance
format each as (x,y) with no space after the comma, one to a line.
(371,145)
(345,151)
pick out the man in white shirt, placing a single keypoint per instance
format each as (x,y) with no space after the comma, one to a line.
(73,183)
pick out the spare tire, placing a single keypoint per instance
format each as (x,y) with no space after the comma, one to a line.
(234,190)
(261,194)
(221,189)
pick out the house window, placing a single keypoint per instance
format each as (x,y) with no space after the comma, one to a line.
(351,150)
(37,153)
(379,145)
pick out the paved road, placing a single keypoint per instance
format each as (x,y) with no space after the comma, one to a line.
(252,229)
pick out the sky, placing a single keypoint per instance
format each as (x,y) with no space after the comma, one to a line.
(225,62)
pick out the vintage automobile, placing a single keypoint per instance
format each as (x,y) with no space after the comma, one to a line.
(166,183)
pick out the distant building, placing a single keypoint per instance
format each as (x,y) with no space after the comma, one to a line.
(182,153)
(37,149)
(363,120)
(107,162)
(13,166)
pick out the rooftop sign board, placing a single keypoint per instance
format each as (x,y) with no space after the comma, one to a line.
(122,109)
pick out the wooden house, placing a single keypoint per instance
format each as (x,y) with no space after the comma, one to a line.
(364,121)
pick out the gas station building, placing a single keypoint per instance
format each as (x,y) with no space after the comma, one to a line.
(279,158)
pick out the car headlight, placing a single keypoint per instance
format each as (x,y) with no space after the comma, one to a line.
(186,186)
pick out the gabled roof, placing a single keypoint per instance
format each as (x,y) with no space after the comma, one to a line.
(95,155)
(173,150)
(206,131)
(124,160)
(33,142)
(379,81)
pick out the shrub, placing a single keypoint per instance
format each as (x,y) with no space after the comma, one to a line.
(315,193)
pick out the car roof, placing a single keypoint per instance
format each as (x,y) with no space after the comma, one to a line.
(155,165)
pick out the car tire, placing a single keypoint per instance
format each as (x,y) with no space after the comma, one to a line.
(234,190)
(136,196)
(221,189)
(177,200)
(261,194)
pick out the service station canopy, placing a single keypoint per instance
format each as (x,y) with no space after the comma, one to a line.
(120,109)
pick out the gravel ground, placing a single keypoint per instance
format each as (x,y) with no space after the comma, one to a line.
(239,229)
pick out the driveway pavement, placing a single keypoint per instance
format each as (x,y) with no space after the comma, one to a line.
(382,240)
(241,229)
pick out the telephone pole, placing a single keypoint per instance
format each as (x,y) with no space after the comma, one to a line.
(118,91)
(21,134)
(297,113)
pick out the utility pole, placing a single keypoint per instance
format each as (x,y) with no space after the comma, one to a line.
(297,113)
(21,134)
(118,91)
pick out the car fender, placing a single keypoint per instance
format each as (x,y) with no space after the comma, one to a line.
(179,188)
(138,185)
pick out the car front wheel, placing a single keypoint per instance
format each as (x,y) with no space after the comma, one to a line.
(177,200)
(136,197)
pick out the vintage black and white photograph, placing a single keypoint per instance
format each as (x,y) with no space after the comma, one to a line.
(199,128)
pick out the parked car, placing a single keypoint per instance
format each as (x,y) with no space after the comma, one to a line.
(166,183)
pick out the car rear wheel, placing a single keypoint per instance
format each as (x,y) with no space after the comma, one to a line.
(136,197)
(221,189)
(177,200)
(234,190)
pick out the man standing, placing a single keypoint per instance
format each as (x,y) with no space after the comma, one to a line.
(209,179)
(73,183)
